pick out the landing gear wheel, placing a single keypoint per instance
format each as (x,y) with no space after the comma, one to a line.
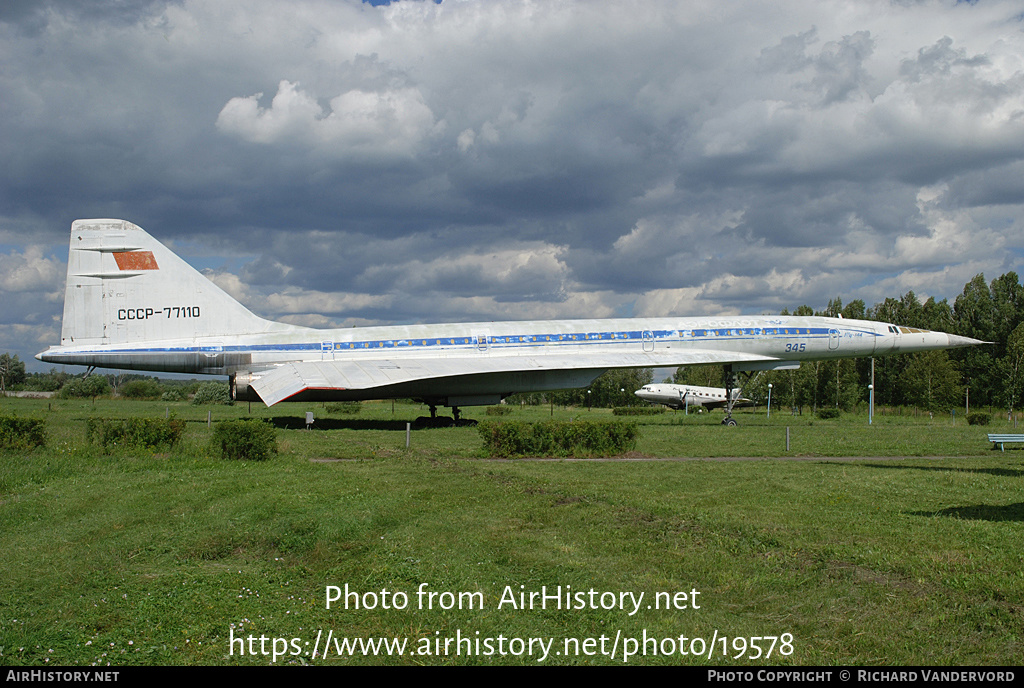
(730,422)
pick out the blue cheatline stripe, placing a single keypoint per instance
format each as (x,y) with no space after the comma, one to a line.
(516,341)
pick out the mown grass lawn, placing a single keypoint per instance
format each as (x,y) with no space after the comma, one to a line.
(164,556)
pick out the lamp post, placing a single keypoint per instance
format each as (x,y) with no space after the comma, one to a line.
(769,400)
(871,403)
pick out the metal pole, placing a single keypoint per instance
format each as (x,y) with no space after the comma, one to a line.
(408,429)
(769,400)
(871,403)
(871,400)
(787,438)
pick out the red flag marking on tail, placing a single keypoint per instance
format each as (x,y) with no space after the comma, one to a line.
(135,260)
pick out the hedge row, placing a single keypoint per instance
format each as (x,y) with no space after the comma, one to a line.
(558,438)
(22,433)
(144,433)
(344,408)
(638,410)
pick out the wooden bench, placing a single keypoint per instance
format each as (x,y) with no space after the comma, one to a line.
(1004,439)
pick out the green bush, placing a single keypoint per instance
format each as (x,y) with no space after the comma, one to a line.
(84,387)
(245,439)
(978,418)
(558,438)
(498,410)
(22,433)
(344,408)
(828,413)
(142,433)
(212,393)
(172,395)
(140,389)
(638,410)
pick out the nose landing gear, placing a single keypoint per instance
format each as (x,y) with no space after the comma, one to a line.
(733,382)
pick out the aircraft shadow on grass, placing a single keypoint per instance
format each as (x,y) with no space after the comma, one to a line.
(979,512)
(974,512)
(421,423)
(997,472)
(299,423)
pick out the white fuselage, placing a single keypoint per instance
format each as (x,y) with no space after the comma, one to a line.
(780,338)
(500,358)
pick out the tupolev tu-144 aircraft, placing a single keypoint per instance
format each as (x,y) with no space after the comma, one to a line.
(132,303)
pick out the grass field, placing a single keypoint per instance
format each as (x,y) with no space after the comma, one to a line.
(910,556)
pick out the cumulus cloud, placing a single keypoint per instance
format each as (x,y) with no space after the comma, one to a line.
(529,271)
(31,271)
(393,122)
(232,285)
(839,68)
(31,295)
(306,302)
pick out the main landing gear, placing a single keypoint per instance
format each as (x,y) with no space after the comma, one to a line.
(435,421)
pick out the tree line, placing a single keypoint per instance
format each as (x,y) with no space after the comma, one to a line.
(125,385)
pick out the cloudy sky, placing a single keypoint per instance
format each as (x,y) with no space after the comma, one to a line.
(334,163)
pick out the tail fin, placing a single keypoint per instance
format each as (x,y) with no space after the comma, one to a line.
(124,286)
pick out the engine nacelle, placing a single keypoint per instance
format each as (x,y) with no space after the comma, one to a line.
(240,384)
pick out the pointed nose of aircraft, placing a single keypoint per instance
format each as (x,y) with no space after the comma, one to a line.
(909,339)
(924,340)
(956,340)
